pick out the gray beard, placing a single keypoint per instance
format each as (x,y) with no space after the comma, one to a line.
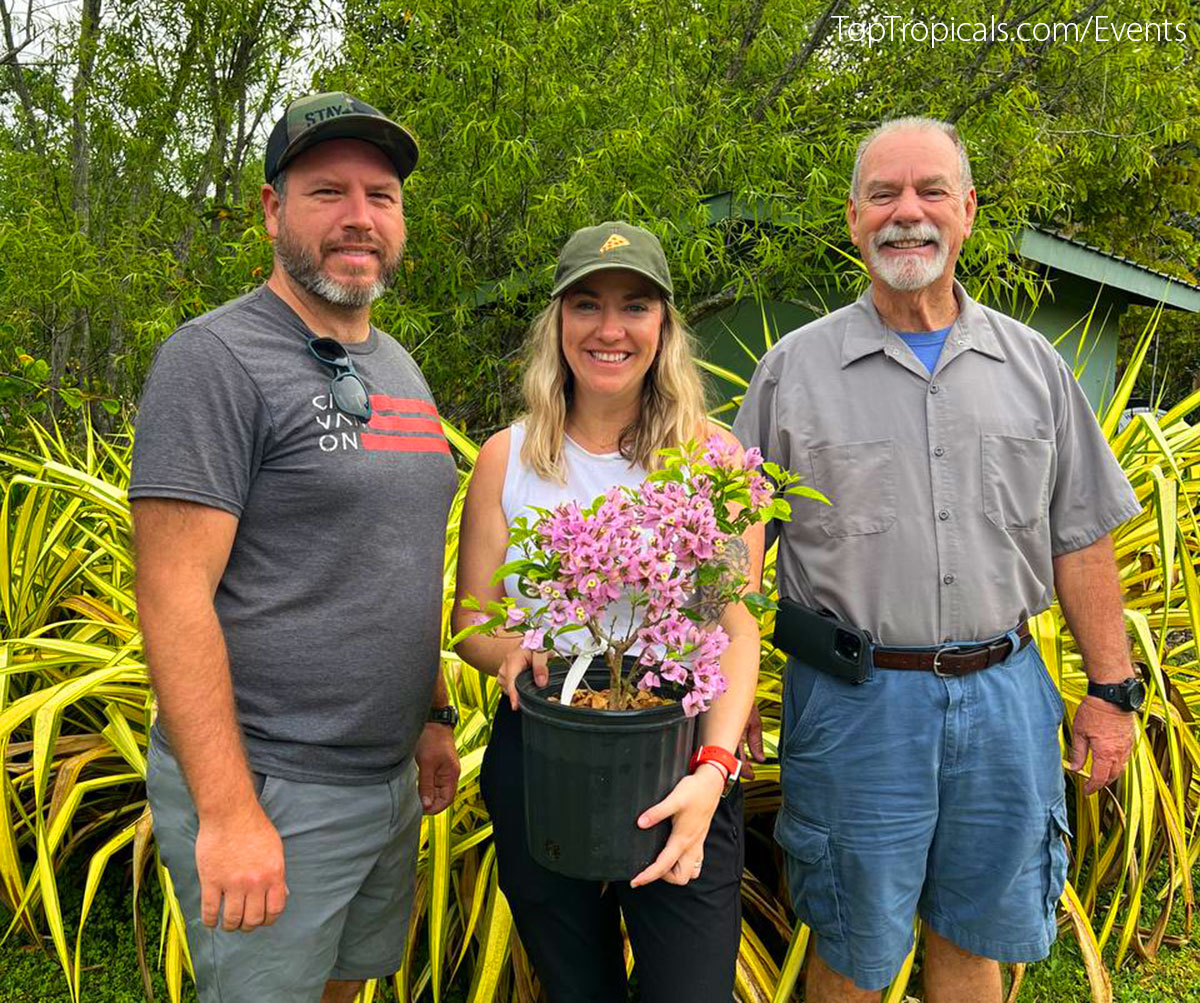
(306,272)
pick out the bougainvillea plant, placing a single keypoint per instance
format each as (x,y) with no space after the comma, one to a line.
(652,566)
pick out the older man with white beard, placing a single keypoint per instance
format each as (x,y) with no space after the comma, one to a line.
(920,752)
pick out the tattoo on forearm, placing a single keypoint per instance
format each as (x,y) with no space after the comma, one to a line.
(734,560)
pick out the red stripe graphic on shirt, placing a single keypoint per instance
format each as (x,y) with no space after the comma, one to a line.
(405,443)
(394,420)
(402,405)
(394,423)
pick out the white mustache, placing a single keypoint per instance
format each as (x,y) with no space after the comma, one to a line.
(894,231)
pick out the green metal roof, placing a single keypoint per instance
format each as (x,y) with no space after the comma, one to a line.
(1143,284)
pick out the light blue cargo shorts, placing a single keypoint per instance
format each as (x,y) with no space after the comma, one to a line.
(350,855)
(918,794)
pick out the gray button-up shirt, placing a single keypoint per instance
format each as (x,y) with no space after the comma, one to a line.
(950,492)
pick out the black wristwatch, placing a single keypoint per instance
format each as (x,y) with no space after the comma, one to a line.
(447,715)
(1128,694)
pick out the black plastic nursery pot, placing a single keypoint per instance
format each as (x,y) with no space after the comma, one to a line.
(590,773)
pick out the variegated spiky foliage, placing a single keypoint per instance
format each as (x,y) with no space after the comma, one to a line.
(75,708)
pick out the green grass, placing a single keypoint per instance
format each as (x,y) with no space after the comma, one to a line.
(31,975)
(1173,976)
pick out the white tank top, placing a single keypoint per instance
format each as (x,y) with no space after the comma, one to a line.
(588,476)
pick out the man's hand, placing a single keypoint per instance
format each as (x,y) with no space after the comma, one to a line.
(690,808)
(1089,592)
(750,748)
(437,768)
(1106,731)
(240,859)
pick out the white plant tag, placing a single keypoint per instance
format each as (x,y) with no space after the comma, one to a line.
(578,668)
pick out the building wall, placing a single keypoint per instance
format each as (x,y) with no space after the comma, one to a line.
(1083,322)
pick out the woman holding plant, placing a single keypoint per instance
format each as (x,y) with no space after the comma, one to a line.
(610,381)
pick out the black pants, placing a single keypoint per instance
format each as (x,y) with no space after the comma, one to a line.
(685,938)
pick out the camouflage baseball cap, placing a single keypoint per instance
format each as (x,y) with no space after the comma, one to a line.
(612,245)
(336,115)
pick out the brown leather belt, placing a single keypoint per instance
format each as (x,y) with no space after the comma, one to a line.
(951,659)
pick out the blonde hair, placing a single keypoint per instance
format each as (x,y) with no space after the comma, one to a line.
(672,406)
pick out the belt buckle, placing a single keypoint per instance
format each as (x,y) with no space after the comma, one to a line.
(938,654)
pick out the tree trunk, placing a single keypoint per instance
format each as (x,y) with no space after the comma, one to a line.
(615,680)
(20,85)
(77,335)
(235,162)
(89,25)
(221,162)
(102,420)
(157,129)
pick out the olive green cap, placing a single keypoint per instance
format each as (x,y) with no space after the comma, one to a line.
(612,245)
(315,118)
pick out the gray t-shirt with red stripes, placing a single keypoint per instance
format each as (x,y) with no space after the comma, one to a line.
(331,601)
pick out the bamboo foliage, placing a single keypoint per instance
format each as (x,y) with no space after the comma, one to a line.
(75,711)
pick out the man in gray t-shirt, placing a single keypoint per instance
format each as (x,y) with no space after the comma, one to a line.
(967,487)
(290,490)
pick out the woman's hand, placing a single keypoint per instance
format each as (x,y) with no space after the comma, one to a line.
(690,807)
(516,662)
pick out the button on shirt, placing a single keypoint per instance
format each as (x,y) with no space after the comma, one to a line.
(950,491)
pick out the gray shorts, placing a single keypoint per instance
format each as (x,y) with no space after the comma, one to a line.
(350,854)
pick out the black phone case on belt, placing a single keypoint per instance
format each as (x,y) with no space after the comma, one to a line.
(820,639)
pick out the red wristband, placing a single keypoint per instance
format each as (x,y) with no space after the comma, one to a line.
(722,758)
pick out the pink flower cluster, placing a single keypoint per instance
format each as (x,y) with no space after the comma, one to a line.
(718,452)
(645,546)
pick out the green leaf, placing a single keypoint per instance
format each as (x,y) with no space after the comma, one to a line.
(759,603)
(517,567)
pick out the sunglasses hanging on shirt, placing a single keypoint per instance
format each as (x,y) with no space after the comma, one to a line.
(347,389)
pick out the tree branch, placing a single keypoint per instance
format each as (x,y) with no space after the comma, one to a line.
(157,127)
(709,305)
(799,60)
(19,83)
(977,63)
(748,36)
(1017,68)
(14,50)
(727,297)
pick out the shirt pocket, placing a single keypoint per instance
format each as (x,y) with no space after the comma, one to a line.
(859,478)
(1016,480)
